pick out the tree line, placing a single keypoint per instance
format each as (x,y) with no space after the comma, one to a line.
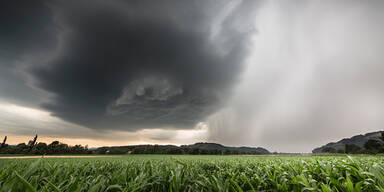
(372,146)
(41,148)
(56,147)
(169,149)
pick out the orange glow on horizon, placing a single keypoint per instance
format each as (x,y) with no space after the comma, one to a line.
(16,139)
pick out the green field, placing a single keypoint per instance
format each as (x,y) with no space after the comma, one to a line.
(194,173)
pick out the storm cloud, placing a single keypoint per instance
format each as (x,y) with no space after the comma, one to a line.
(27,29)
(130,65)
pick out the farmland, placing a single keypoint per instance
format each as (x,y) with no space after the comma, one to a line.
(194,173)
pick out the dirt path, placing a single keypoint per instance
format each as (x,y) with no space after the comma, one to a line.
(51,156)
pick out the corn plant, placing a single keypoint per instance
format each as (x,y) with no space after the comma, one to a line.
(194,173)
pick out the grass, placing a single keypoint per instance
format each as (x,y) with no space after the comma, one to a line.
(194,173)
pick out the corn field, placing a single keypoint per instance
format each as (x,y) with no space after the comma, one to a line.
(194,173)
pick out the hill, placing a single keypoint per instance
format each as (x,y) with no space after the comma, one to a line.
(358,140)
(213,146)
(197,148)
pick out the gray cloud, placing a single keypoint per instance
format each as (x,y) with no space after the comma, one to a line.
(27,29)
(130,65)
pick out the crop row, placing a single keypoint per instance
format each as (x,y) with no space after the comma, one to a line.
(189,173)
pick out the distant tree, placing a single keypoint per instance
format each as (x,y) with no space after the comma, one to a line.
(21,148)
(381,150)
(117,150)
(329,150)
(179,151)
(195,151)
(40,149)
(101,150)
(352,149)
(156,149)
(138,150)
(372,145)
(204,151)
(62,148)
(227,152)
(382,136)
(340,151)
(53,147)
(22,145)
(215,152)
(32,143)
(3,143)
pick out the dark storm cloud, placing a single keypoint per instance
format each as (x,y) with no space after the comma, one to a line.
(143,64)
(26,28)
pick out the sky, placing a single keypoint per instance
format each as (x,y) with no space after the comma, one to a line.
(288,76)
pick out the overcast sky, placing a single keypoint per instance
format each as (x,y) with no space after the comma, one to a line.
(285,75)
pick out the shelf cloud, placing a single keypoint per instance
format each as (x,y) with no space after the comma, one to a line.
(130,65)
